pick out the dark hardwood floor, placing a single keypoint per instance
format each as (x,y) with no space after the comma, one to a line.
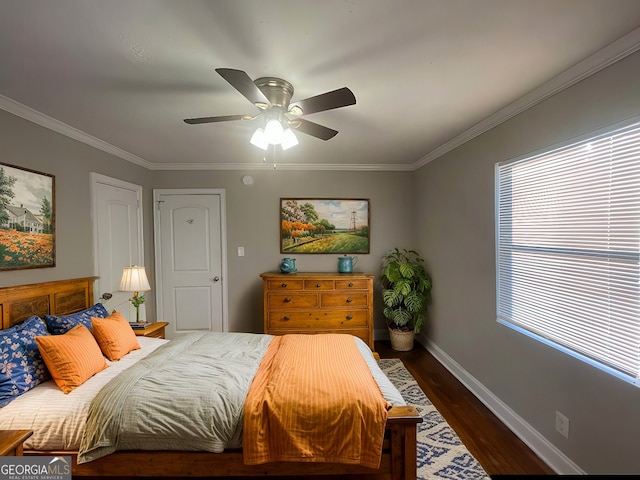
(498,450)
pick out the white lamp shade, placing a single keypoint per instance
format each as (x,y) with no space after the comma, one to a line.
(259,139)
(274,131)
(289,139)
(134,279)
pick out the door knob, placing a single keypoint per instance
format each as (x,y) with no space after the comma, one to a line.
(215,279)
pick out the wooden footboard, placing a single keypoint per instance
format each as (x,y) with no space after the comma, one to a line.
(398,459)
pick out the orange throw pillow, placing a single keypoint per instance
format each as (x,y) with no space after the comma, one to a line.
(72,358)
(114,335)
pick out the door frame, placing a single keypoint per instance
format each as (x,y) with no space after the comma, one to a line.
(223,245)
(95,179)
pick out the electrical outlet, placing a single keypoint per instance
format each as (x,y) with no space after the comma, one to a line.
(562,424)
(241,251)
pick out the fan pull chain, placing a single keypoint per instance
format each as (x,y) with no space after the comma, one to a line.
(264,159)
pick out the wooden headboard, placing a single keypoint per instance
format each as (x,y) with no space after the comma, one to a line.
(59,297)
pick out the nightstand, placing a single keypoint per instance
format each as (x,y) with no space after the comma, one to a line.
(11,442)
(155,330)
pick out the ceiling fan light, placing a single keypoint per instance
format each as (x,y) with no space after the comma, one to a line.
(295,110)
(259,139)
(274,131)
(289,139)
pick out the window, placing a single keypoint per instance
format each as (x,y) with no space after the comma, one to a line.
(568,247)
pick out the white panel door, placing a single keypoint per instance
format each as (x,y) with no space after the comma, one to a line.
(190,260)
(117,217)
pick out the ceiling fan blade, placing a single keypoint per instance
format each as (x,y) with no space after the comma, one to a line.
(222,118)
(341,97)
(314,129)
(243,83)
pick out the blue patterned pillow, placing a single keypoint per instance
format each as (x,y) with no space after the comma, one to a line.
(21,365)
(60,325)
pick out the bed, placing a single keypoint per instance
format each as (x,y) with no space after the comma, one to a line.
(398,460)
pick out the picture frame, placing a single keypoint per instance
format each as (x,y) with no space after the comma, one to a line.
(27,218)
(324,225)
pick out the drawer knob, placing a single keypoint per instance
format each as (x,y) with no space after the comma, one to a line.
(287,299)
(349,299)
(349,317)
(350,284)
(286,317)
(284,285)
(317,285)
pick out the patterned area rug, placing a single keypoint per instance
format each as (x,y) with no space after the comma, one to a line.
(441,454)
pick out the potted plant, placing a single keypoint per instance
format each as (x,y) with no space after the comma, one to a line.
(406,295)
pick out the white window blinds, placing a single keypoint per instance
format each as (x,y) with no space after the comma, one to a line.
(568,247)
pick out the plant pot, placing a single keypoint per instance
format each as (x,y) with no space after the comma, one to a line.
(401,341)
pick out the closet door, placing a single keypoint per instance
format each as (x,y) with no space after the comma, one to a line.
(117,227)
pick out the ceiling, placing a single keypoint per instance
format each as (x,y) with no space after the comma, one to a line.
(428,75)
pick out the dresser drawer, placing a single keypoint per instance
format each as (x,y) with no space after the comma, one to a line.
(344,300)
(319,285)
(325,320)
(352,284)
(285,284)
(285,300)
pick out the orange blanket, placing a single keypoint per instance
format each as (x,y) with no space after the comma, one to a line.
(314,399)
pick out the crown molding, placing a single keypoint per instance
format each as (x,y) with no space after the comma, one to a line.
(51,123)
(283,166)
(602,59)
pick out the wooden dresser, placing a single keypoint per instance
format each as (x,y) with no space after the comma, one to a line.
(319,303)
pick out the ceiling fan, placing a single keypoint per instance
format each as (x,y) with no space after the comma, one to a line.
(272,96)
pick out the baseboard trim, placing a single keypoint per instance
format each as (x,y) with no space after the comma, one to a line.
(548,452)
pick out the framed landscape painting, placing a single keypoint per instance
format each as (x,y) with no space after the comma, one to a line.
(27,218)
(324,225)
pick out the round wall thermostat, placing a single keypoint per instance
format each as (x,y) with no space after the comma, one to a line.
(247,180)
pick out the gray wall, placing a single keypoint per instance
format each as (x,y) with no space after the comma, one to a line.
(456,234)
(253,222)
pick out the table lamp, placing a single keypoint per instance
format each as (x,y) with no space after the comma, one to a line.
(134,279)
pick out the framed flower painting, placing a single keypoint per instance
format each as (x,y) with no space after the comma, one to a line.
(27,218)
